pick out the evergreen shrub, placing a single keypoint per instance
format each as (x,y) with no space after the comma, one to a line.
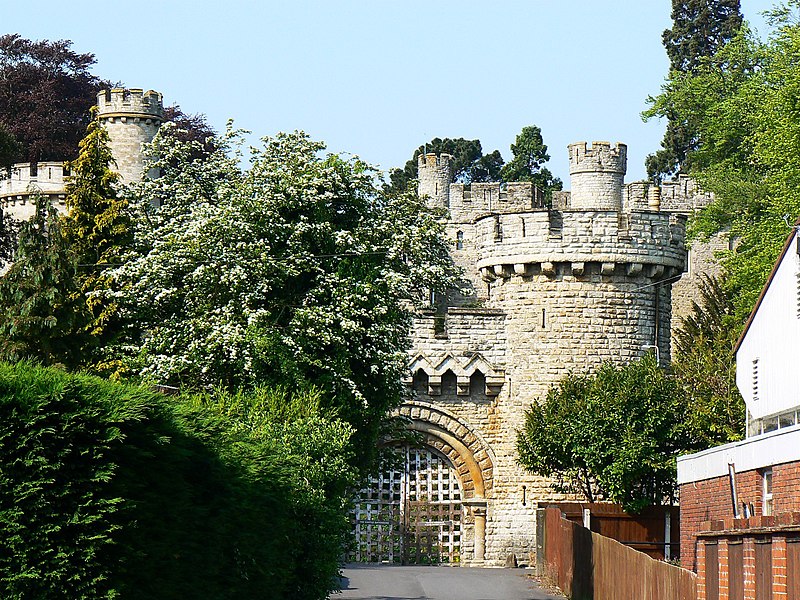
(114,491)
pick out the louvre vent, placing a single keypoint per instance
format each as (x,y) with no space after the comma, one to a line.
(755,379)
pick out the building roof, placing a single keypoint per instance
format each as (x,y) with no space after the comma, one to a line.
(763,293)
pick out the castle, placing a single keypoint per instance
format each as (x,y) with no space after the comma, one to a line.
(130,116)
(550,289)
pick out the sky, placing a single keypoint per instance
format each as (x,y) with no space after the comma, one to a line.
(378,78)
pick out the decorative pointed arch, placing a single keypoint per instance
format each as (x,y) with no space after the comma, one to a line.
(462,366)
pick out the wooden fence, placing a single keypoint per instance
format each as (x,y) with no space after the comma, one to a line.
(588,566)
(655,531)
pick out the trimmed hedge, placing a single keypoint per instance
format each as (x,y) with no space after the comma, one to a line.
(114,491)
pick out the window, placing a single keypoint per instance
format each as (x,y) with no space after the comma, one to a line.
(786,419)
(460,240)
(766,483)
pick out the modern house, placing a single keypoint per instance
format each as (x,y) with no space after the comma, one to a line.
(740,502)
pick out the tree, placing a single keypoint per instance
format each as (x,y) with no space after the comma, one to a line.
(469,164)
(46,90)
(294,270)
(529,155)
(97,231)
(41,309)
(700,28)
(705,365)
(191,128)
(742,103)
(9,149)
(613,435)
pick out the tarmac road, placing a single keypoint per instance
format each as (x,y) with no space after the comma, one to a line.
(390,582)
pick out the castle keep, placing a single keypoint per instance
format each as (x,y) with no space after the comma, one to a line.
(550,288)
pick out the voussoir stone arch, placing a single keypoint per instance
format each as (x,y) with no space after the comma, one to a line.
(463,446)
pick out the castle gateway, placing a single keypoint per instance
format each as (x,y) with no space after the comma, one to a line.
(552,290)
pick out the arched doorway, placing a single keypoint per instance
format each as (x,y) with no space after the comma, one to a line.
(411,513)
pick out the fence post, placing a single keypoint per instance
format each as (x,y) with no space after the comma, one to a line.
(540,535)
(667,534)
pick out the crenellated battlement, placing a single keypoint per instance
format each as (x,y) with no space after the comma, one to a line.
(25,179)
(597,175)
(580,243)
(431,159)
(599,157)
(681,195)
(122,102)
(467,202)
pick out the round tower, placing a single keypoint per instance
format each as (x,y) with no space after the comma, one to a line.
(435,173)
(131,117)
(581,286)
(597,175)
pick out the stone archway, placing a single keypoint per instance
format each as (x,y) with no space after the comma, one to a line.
(436,499)
(471,457)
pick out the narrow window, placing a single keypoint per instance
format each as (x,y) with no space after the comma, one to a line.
(766,488)
(460,240)
(544,319)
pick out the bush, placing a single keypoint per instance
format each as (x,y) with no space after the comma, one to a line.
(113,491)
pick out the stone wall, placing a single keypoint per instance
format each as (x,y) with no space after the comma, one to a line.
(25,180)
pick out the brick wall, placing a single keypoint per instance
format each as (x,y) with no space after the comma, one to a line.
(750,559)
(710,500)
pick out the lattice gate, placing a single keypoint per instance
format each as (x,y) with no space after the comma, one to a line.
(412,514)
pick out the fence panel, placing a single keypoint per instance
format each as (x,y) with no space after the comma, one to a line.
(588,566)
(645,532)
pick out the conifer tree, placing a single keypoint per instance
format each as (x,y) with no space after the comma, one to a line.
(700,28)
(705,365)
(41,310)
(97,230)
(530,155)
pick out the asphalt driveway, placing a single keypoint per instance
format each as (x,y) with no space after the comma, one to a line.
(389,582)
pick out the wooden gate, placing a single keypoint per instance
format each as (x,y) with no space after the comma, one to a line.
(411,514)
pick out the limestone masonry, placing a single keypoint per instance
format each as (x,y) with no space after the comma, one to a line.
(550,289)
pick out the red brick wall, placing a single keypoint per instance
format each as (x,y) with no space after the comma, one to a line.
(710,500)
(768,548)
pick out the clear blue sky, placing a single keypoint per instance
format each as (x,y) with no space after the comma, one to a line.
(378,78)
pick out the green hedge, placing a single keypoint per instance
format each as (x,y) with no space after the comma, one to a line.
(113,491)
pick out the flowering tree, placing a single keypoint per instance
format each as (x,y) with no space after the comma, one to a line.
(294,271)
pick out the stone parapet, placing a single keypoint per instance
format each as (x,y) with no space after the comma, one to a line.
(524,244)
(28,178)
(128,103)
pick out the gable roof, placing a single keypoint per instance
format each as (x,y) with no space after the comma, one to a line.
(763,293)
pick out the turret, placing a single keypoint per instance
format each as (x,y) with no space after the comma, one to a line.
(597,173)
(131,117)
(434,173)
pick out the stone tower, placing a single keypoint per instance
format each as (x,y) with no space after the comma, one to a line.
(434,173)
(554,290)
(597,175)
(132,118)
